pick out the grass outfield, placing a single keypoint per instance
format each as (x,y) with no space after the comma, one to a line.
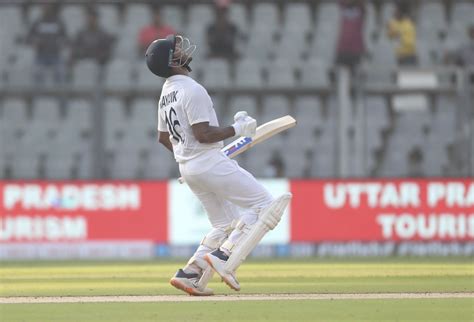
(316,276)
(445,310)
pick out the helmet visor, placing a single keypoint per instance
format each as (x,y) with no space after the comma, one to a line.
(183,52)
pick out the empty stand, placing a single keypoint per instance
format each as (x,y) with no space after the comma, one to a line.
(288,47)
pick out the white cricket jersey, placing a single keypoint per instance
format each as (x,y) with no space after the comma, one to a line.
(185,102)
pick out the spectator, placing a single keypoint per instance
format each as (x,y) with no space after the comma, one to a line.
(92,42)
(156,30)
(222,35)
(48,36)
(350,46)
(402,27)
(464,56)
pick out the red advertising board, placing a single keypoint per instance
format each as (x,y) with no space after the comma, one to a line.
(383,210)
(83,211)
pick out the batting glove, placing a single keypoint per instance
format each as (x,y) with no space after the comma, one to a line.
(246,126)
(240,115)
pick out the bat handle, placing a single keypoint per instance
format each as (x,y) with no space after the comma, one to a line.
(181,180)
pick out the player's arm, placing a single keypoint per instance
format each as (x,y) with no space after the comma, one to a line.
(163,135)
(164,138)
(244,125)
(205,133)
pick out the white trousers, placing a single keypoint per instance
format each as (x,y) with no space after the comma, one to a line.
(226,191)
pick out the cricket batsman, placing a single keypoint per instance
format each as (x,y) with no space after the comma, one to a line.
(240,210)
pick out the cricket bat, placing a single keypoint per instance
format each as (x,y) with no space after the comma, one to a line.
(264,132)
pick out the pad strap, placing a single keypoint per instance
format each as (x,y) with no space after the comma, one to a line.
(211,242)
(242,227)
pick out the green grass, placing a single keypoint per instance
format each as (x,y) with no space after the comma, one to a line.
(151,278)
(315,276)
(458,310)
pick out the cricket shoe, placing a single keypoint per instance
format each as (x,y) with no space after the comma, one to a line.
(217,259)
(189,284)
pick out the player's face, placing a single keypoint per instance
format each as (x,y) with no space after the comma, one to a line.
(183,51)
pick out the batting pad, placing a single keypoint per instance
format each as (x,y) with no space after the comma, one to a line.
(267,220)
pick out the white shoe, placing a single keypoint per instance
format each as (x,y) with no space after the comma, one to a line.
(217,259)
(189,284)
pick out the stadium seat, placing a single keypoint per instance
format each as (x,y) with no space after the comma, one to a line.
(376,120)
(118,75)
(257,160)
(242,103)
(15,111)
(20,73)
(383,53)
(126,49)
(238,16)
(294,146)
(444,120)
(173,15)
(323,164)
(46,113)
(33,13)
(59,166)
(74,18)
(6,48)
(217,73)
(431,20)
(43,135)
(370,25)
(462,14)
(109,18)
(397,152)
(146,80)
(261,44)
(11,20)
(115,122)
(219,106)
(125,166)
(274,106)
(314,73)
(143,123)
(200,16)
(388,9)
(14,120)
(144,111)
(328,19)
(79,111)
(291,47)
(280,75)
(85,75)
(297,16)
(265,17)
(3,164)
(324,46)
(248,74)
(26,167)
(307,110)
(377,112)
(136,16)
(161,164)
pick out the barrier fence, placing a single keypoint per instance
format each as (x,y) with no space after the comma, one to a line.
(146,219)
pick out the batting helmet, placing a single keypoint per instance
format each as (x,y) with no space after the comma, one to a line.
(163,54)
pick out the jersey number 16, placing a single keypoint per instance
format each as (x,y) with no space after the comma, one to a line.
(172,123)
